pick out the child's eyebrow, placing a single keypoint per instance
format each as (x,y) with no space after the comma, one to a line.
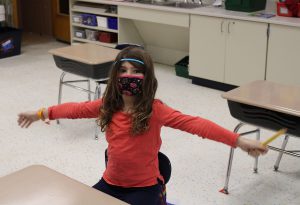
(125,68)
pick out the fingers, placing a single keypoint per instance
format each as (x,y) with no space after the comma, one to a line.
(24,122)
(20,118)
(257,152)
(254,153)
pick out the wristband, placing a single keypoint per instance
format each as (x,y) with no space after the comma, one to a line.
(41,116)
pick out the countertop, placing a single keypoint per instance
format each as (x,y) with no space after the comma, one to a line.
(212,11)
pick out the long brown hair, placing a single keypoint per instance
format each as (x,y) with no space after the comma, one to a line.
(112,97)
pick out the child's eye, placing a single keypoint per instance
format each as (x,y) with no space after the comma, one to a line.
(122,70)
(138,71)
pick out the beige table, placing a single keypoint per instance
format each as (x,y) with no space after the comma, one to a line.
(88,53)
(89,61)
(266,105)
(40,185)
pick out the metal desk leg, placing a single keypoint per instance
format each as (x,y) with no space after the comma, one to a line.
(225,189)
(89,89)
(61,80)
(96,96)
(236,129)
(256,158)
(284,143)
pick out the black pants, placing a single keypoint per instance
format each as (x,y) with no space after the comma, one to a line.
(150,195)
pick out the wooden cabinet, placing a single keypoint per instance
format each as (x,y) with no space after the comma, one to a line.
(226,50)
(283,55)
(61,20)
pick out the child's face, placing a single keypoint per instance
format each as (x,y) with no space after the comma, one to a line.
(128,69)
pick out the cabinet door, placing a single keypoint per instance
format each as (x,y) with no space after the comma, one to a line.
(207,47)
(246,48)
(283,55)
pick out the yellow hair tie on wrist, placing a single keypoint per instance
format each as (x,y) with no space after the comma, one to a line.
(40,114)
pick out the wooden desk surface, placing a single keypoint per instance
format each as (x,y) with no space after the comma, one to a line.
(87,53)
(40,185)
(269,95)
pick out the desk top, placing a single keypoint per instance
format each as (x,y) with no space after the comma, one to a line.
(37,184)
(269,95)
(88,53)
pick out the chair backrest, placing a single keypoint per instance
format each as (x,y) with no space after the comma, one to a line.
(165,167)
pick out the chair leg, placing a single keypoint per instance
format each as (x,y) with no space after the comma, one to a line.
(61,80)
(284,143)
(256,158)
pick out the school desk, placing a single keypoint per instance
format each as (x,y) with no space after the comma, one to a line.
(40,185)
(89,61)
(267,105)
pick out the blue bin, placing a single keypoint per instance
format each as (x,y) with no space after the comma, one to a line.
(10,42)
(113,23)
(89,19)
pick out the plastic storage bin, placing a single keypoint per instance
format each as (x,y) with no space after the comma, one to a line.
(107,37)
(91,34)
(181,67)
(10,42)
(102,21)
(79,33)
(245,5)
(113,23)
(282,10)
(77,18)
(89,19)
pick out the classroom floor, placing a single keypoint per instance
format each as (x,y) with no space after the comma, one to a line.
(30,81)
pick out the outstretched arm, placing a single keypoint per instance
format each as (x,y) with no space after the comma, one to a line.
(207,129)
(88,109)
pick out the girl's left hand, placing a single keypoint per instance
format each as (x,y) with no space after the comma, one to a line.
(253,147)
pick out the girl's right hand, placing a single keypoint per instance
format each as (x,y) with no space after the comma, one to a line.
(26,118)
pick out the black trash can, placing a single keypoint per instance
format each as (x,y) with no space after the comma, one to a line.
(10,42)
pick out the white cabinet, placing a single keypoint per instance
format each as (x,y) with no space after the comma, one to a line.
(155,16)
(102,14)
(283,65)
(226,50)
(164,34)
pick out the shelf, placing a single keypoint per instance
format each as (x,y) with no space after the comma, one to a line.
(111,45)
(95,28)
(90,10)
(78,7)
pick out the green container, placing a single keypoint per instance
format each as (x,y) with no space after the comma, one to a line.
(181,67)
(245,5)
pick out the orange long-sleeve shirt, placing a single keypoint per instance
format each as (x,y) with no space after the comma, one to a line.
(133,160)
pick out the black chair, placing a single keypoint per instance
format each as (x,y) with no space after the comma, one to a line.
(165,167)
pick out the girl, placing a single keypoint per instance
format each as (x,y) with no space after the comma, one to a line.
(132,119)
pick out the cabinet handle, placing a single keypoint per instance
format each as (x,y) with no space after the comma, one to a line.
(222,26)
(228,27)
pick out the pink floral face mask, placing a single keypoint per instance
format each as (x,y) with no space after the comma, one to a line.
(130,85)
